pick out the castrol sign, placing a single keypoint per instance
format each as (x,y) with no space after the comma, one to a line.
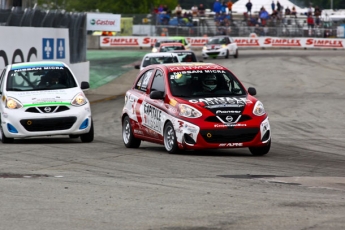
(103,22)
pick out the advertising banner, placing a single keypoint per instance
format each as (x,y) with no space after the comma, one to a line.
(33,44)
(246,42)
(103,22)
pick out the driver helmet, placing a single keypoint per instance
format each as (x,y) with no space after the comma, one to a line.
(209,82)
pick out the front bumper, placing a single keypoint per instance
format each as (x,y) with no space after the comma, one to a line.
(214,53)
(21,123)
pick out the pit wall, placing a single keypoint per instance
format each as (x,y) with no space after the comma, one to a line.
(103,42)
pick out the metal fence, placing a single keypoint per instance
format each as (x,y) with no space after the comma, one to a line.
(31,17)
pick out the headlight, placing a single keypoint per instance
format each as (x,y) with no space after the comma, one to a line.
(223,46)
(79,100)
(259,109)
(204,48)
(12,103)
(188,111)
(154,50)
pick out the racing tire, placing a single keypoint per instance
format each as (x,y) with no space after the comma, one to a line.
(127,135)
(88,137)
(236,54)
(169,136)
(260,151)
(5,139)
(227,54)
(73,136)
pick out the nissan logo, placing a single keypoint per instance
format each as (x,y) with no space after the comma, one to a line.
(229,118)
(47,109)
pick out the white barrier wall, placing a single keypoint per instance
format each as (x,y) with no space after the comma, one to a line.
(28,44)
(259,42)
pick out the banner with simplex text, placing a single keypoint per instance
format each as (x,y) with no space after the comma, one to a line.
(248,42)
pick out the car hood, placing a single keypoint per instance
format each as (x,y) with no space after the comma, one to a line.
(221,105)
(45,97)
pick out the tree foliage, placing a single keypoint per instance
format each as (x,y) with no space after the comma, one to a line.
(108,6)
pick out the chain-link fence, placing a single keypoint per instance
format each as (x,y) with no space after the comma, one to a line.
(31,17)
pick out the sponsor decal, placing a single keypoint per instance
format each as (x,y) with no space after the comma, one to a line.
(229,118)
(195,67)
(231,145)
(325,43)
(120,41)
(152,117)
(283,42)
(136,131)
(227,111)
(228,101)
(247,42)
(229,125)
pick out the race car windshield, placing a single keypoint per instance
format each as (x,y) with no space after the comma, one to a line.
(40,78)
(159,60)
(170,48)
(204,83)
(216,41)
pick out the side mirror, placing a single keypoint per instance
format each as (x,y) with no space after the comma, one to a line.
(85,85)
(137,66)
(252,91)
(157,95)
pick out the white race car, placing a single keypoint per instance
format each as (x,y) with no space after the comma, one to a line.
(157,58)
(220,46)
(43,99)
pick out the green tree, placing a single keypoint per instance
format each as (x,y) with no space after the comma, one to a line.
(109,6)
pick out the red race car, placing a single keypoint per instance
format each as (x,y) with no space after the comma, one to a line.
(190,106)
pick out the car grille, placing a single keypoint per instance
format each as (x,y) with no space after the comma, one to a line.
(212,53)
(229,135)
(223,117)
(47,109)
(48,124)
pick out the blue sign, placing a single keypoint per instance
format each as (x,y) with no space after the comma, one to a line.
(60,48)
(48,48)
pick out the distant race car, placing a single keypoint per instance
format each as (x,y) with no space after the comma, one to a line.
(220,46)
(191,106)
(43,99)
(185,55)
(157,58)
(182,40)
(167,47)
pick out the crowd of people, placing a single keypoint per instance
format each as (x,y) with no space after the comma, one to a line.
(223,16)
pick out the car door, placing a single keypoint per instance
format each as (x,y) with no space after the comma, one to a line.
(232,45)
(153,111)
(134,101)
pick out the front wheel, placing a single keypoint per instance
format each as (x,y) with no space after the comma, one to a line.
(236,54)
(88,137)
(227,54)
(127,135)
(170,142)
(260,151)
(3,138)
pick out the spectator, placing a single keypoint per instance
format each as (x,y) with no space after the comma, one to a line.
(317,11)
(310,10)
(279,7)
(165,8)
(194,10)
(178,11)
(201,10)
(230,6)
(310,21)
(317,21)
(249,6)
(160,8)
(287,11)
(273,6)
(264,16)
(224,8)
(294,12)
(217,6)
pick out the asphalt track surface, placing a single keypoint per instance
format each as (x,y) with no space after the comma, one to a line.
(61,183)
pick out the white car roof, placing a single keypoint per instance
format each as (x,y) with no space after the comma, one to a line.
(160,54)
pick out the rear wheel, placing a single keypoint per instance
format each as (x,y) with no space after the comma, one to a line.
(170,142)
(127,134)
(260,151)
(3,138)
(88,137)
(227,54)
